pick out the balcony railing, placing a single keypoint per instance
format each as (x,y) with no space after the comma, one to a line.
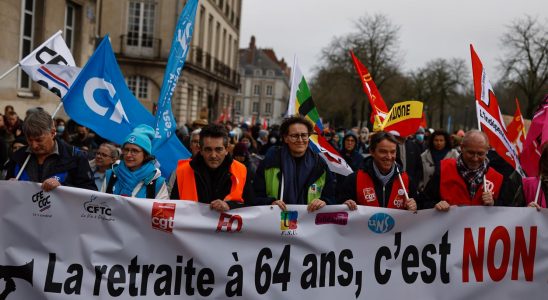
(140,47)
(206,62)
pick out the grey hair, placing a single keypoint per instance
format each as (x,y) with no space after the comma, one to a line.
(114,151)
(37,123)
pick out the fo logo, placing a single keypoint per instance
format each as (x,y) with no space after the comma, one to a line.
(163,215)
(41,200)
(381,223)
(229,223)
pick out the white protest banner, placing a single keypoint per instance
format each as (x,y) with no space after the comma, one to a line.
(78,244)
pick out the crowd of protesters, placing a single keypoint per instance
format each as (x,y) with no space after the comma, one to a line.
(235,165)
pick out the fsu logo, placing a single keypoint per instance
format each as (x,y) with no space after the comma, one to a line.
(369,194)
(163,215)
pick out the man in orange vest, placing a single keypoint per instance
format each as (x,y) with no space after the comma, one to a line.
(212,176)
(379,181)
(467,180)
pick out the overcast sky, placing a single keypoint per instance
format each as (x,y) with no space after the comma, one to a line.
(429,29)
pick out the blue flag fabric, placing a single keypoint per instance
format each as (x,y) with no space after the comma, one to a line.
(100,99)
(165,122)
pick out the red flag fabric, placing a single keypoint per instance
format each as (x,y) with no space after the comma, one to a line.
(378,105)
(516,130)
(536,137)
(423,121)
(489,115)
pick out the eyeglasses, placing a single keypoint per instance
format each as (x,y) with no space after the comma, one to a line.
(295,137)
(101,154)
(126,151)
(195,142)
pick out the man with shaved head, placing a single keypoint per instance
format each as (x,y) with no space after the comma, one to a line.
(466,180)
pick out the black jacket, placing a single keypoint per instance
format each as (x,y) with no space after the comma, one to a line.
(70,167)
(214,184)
(273,160)
(349,187)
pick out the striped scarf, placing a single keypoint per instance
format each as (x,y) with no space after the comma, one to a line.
(472,178)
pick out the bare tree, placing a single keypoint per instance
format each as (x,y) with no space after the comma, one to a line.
(440,84)
(376,43)
(525,63)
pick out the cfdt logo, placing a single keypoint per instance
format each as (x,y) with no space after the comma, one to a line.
(42,201)
(381,223)
(97,210)
(229,223)
(288,222)
(163,215)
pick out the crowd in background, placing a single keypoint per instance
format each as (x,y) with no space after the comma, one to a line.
(418,155)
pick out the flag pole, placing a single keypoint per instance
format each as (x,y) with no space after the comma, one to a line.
(538,189)
(28,156)
(401,182)
(9,71)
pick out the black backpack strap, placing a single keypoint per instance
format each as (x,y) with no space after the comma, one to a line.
(151,189)
(111,182)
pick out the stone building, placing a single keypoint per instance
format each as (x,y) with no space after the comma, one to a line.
(141,32)
(264,91)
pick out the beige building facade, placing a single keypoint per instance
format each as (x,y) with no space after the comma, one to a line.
(141,32)
(28,23)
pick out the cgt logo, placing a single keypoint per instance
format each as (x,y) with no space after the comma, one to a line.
(41,200)
(381,223)
(163,215)
(288,222)
(228,221)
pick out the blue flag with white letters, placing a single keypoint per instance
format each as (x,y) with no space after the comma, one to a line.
(100,99)
(165,122)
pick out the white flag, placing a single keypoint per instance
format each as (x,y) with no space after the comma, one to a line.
(52,65)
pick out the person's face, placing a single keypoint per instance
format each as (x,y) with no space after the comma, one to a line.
(42,144)
(336,138)
(1,121)
(17,146)
(81,130)
(213,151)
(349,144)
(239,158)
(133,156)
(384,155)
(103,158)
(439,142)
(12,119)
(195,144)
(474,152)
(246,142)
(297,139)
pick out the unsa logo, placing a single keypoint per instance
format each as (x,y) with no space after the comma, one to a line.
(381,223)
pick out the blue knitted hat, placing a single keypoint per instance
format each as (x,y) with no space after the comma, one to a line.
(141,136)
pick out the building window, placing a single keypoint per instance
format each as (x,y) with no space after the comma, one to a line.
(255,108)
(257,89)
(270,73)
(138,86)
(141,23)
(268,108)
(269,90)
(200,98)
(258,73)
(27,36)
(70,20)
(238,106)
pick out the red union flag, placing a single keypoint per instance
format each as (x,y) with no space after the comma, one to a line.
(489,115)
(516,130)
(378,106)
